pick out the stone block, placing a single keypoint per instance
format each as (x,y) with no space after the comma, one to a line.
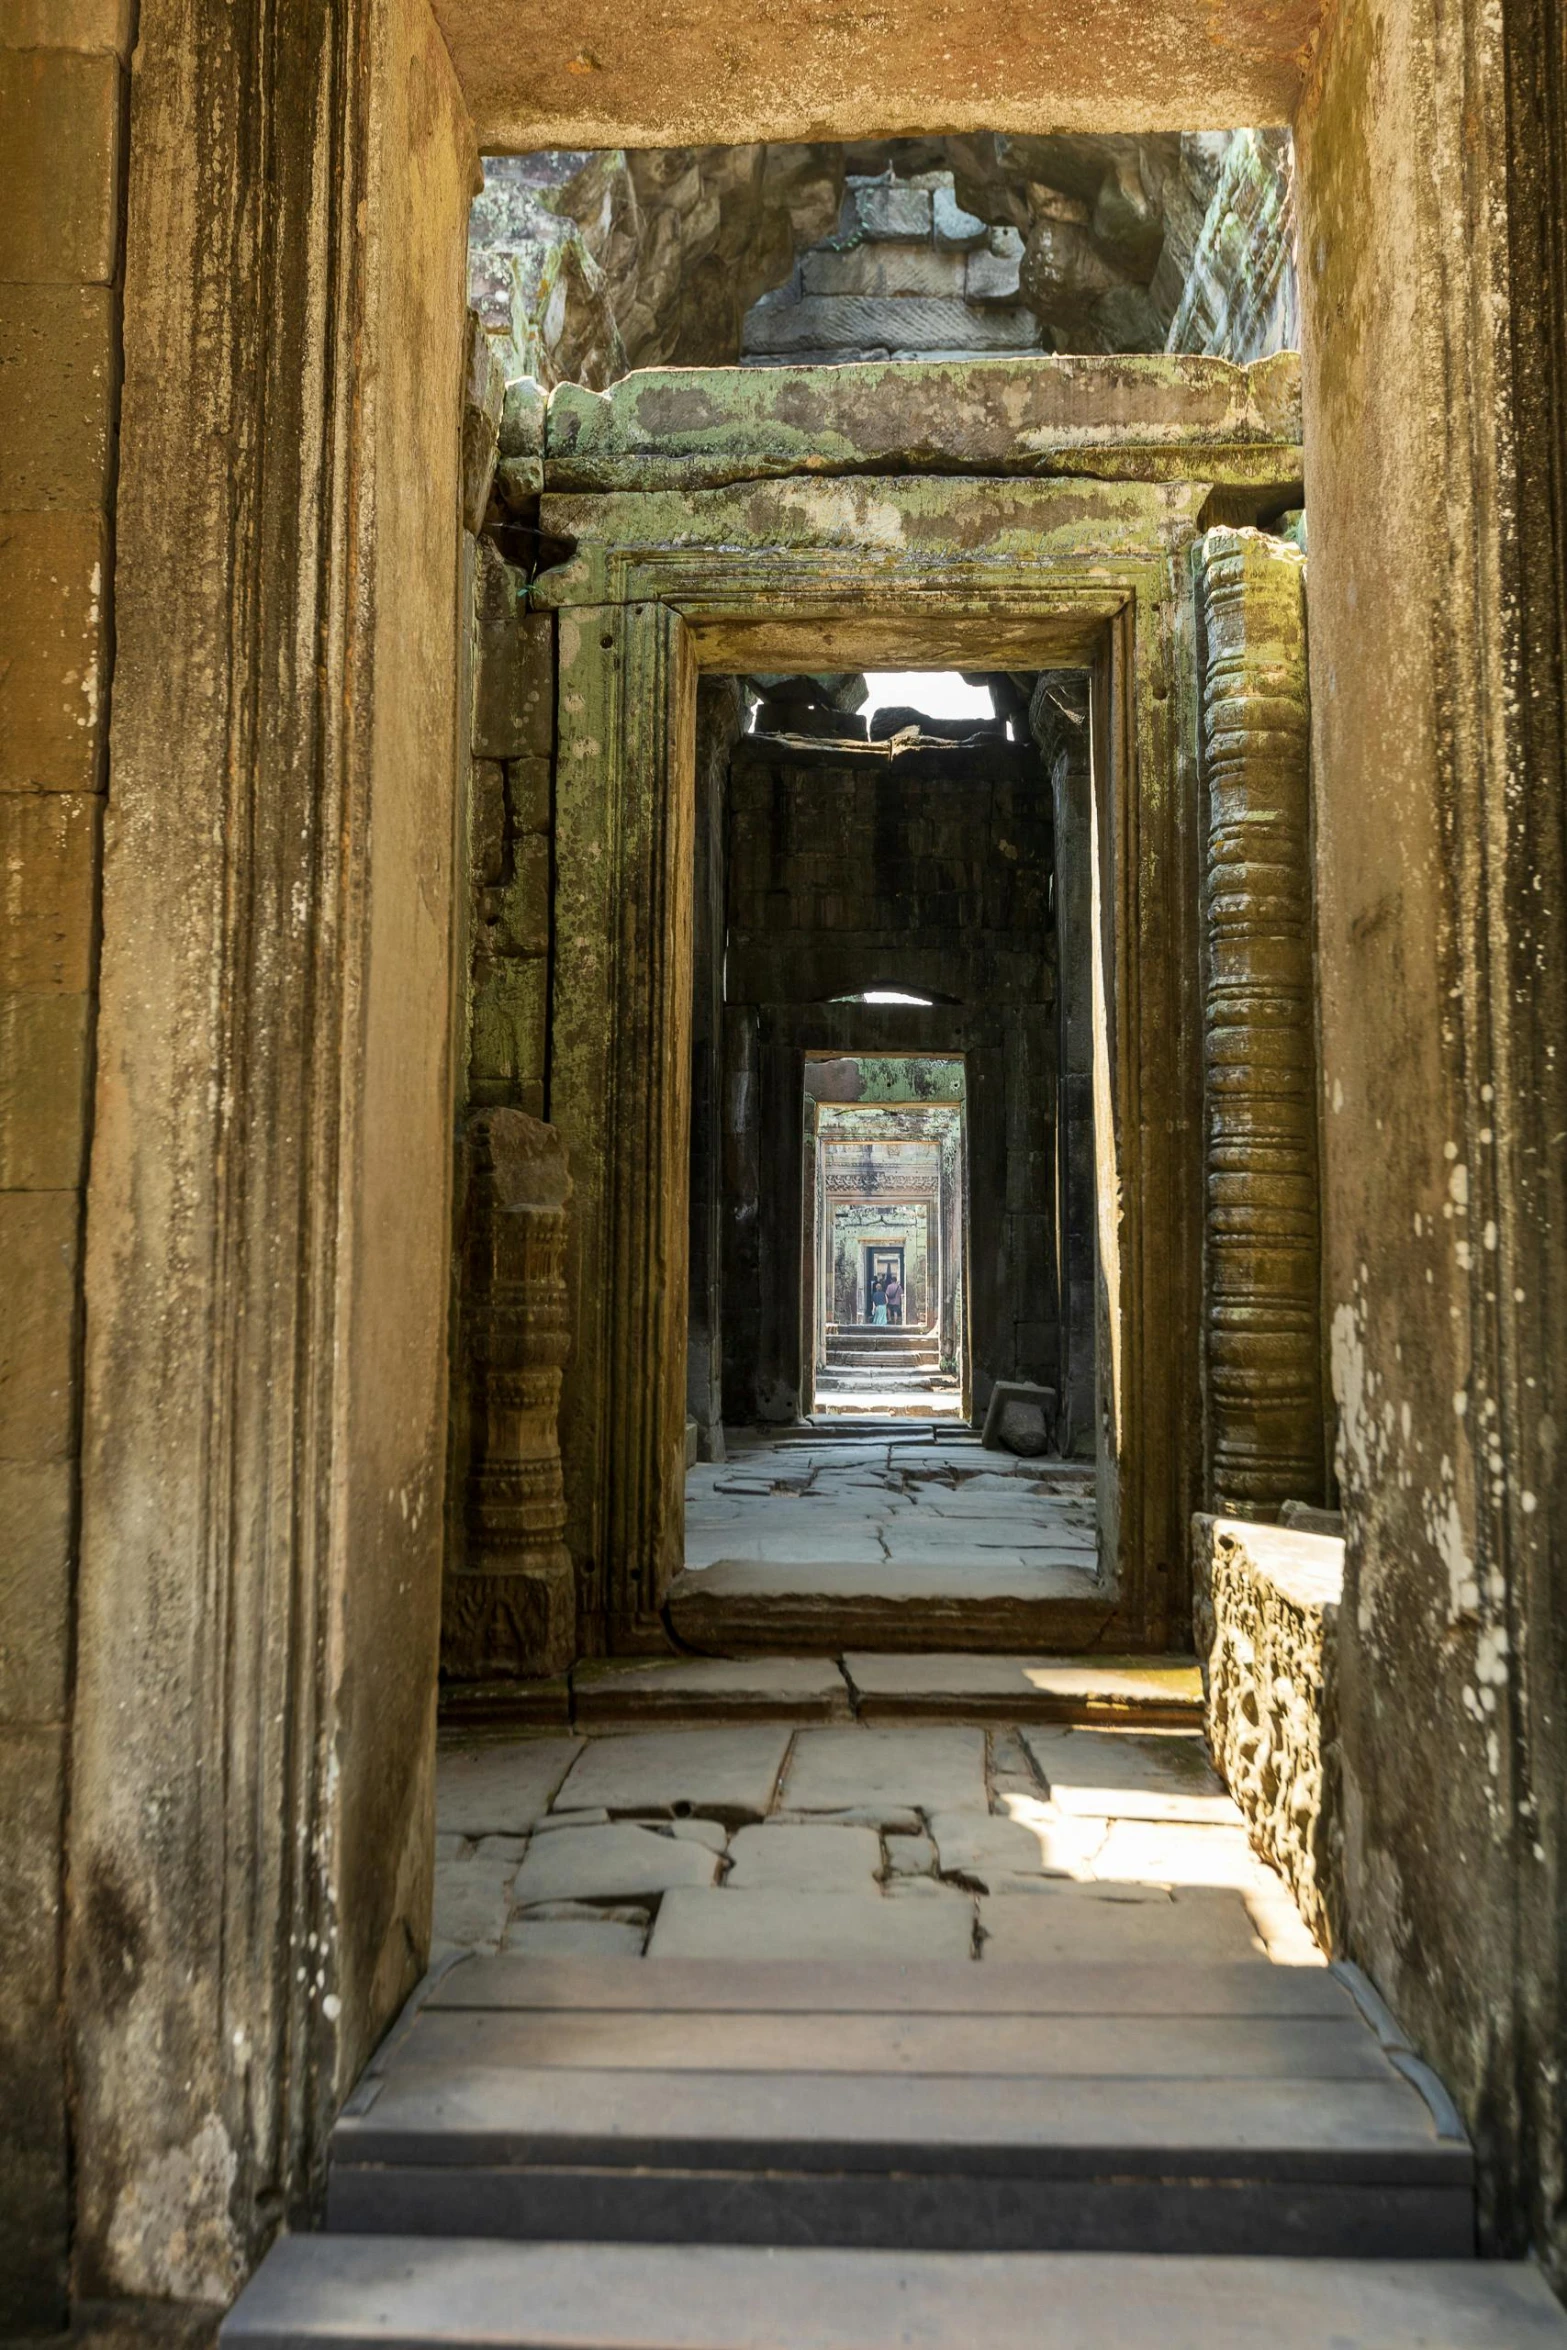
(58,372)
(884,269)
(61,113)
(1163,418)
(484,391)
(1135,1774)
(523,412)
(993,273)
(616,1862)
(514,690)
(887,210)
(34,2200)
(43,1090)
(522,906)
(501,1790)
(1265,1604)
(955,229)
(510,1015)
(528,794)
(35,1589)
(487,822)
(52,651)
(726,1774)
(913,323)
(67,24)
(1061,1923)
(782,1922)
(940,1769)
(822,1860)
(39,1240)
(48,890)
(767,1688)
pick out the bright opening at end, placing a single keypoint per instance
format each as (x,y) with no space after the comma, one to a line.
(935,693)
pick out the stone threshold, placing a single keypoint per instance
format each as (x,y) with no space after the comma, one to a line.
(1155,1692)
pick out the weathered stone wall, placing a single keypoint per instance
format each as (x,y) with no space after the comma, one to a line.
(585,265)
(268,1230)
(922,869)
(62,93)
(1432,152)
(1265,1611)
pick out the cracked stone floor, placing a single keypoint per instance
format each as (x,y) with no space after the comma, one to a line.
(845,1839)
(904,1499)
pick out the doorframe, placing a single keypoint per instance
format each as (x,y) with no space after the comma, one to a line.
(875,573)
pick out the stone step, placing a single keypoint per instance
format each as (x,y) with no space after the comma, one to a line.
(1154,1692)
(746,1607)
(609,1696)
(393,2293)
(1148,2109)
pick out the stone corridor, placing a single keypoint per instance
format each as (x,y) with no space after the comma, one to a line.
(821,1836)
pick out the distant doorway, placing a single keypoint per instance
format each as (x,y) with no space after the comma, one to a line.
(885,1245)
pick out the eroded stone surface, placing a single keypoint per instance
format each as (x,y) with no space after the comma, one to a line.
(827,1860)
(729,1774)
(1266,1605)
(778,1922)
(612,1862)
(501,1789)
(941,1769)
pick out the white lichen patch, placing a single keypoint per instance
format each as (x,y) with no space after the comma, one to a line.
(171,2237)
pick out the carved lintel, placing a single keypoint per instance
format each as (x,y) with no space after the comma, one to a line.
(510,1607)
(1264,1374)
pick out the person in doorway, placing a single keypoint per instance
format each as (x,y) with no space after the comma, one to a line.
(894,1295)
(879,1300)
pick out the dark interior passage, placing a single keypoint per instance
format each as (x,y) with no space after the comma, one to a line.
(879,884)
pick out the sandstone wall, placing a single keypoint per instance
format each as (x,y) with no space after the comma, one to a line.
(63,74)
(1265,1608)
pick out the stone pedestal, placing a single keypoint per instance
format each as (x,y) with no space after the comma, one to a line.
(510,1608)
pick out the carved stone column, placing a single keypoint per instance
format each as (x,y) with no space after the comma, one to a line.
(510,1608)
(1262,1286)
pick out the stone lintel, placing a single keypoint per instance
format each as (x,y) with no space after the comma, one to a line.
(1160,418)
(630,546)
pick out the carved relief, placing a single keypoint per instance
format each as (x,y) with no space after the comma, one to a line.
(1264,1386)
(510,1609)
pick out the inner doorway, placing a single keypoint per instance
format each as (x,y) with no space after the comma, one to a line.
(886,1226)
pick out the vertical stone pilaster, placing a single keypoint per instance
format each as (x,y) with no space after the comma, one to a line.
(620,1092)
(510,1610)
(1262,1241)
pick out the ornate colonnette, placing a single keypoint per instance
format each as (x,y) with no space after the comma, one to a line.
(1262,1247)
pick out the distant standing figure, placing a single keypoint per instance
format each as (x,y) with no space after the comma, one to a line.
(894,1296)
(879,1299)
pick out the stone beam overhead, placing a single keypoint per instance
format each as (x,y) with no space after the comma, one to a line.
(1163,418)
(604,75)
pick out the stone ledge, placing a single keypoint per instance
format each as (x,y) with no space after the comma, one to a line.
(1265,1616)
(1157,418)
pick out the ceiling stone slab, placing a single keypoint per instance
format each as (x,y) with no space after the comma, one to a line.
(605,75)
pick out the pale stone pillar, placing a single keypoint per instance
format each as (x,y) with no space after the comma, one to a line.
(509,1610)
(1263,1385)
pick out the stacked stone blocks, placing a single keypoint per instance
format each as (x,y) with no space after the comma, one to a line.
(62,101)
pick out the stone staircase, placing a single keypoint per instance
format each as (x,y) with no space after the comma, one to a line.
(648,2155)
(864,1360)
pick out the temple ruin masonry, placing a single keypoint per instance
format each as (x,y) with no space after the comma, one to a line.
(363,694)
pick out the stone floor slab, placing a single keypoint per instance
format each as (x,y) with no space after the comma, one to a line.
(696,1688)
(1075,1924)
(730,1774)
(612,1863)
(783,1923)
(1152,1775)
(935,1769)
(569,1929)
(500,1789)
(471,1899)
(1026,1841)
(826,1860)
(1022,1689)
(1164,1852)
